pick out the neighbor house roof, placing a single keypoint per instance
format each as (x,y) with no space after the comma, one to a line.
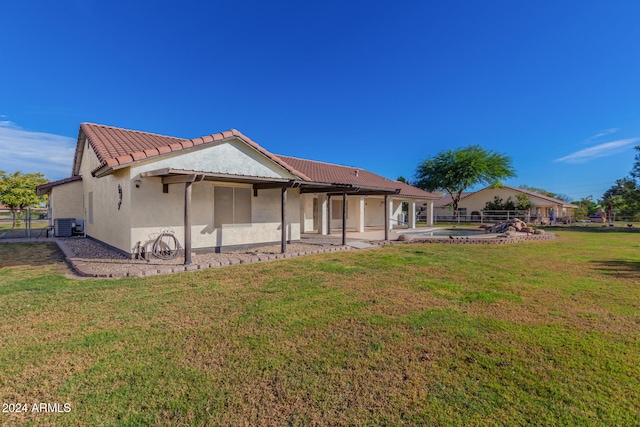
(540,196)
(44,188)
(116,148)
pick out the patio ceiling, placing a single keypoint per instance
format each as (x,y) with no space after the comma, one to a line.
(177,176)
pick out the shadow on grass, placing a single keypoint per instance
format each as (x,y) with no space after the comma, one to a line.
(627,269)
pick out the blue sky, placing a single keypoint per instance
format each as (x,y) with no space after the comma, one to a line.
(378,85)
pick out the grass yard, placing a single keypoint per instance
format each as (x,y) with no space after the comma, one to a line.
(540,333)
(6,225)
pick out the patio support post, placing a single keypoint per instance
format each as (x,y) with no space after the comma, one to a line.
(360,214)
(328,214)
(344,219)
(430,213)
(283,244)
(322,210)
(187,223)
(386,218)
(412,214)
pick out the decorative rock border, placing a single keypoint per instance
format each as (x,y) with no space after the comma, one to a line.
(83,268)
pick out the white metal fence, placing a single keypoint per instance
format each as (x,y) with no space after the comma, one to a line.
(526,216)
(481,217)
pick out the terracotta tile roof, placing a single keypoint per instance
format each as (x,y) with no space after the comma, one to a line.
(42,189)
(336,174)
(116,147)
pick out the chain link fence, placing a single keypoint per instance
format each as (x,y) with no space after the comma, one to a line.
(30,223)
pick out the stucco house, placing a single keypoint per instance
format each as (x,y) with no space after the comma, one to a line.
(217,192)
(473,204)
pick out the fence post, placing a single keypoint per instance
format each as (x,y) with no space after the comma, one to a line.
(28,222)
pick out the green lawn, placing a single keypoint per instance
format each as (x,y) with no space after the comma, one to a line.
(6,225)
(540,333)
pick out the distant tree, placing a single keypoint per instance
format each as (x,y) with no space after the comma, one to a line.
(456,170)
(635,172)
(624,195)
(18,191)
(586,207)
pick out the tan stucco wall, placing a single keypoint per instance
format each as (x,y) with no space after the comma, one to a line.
(155,211)
(374,212)
(110,224)
(351,213)
(306,212)
(66,200)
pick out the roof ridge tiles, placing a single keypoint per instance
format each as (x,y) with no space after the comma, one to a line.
(129,130)
(321,161)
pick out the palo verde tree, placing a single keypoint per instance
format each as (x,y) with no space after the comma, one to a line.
(456,170)
(18,191)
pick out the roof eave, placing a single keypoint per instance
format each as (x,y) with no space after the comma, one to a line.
(104,170)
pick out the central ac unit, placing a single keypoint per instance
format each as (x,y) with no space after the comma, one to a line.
(63,227)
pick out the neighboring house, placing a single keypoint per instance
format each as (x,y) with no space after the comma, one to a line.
(66,200)
(443,207)
(473,204)
(218,192)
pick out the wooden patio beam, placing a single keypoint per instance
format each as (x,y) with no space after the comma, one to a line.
(178,179)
